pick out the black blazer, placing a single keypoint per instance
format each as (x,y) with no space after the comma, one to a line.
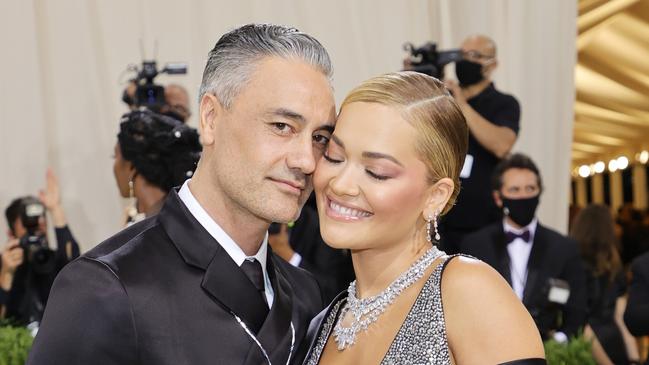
(553,256)
(636,315)
(164,292)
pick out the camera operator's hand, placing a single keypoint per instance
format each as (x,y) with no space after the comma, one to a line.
(12,257)
(456,90)
(51,199)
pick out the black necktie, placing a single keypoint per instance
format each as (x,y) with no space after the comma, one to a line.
(254,272)
(511,236)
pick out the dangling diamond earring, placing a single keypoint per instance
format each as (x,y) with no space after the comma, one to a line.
(132,209)
(437,236)
(428,224)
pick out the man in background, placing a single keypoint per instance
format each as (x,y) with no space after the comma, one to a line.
(543,267)
(493,120)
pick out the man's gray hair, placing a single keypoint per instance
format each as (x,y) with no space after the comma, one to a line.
(232,61)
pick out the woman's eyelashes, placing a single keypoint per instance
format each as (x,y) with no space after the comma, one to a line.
(376,176)
(370,173)
(329,159)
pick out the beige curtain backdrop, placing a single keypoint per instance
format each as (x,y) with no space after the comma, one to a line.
(63,64)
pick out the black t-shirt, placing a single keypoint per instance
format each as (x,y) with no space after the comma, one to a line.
(475,207)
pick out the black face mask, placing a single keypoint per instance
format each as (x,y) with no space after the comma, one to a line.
(468,73)
(521,211)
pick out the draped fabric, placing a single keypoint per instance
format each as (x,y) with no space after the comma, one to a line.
(63,66)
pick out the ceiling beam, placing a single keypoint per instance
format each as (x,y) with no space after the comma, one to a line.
(595,17)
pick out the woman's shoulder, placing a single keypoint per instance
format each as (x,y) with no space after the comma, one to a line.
(481,308)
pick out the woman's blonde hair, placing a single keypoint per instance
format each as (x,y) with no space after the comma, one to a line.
(425,103)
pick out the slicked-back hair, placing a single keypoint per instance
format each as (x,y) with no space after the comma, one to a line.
(515,161)
(232,61)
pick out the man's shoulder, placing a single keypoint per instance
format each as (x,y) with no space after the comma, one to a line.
(641,264)
(129,236)
(484,232)
(555,239)
(505,97)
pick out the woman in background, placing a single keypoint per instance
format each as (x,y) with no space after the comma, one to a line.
(594,230)
(153,154)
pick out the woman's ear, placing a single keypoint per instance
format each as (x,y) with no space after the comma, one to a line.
(438,197)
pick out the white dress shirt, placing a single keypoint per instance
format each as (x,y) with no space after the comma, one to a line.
(228,244)
(519,254)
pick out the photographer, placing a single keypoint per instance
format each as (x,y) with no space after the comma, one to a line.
(10,259)
(28,265)
(493,120)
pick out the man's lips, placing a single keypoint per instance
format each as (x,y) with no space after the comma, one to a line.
(293,186)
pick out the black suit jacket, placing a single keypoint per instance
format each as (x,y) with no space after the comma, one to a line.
(553,256)
(636,315)
(165,292)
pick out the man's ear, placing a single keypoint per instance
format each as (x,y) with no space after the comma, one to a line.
(497,199)
(209,110)
(489,69)
(438,197)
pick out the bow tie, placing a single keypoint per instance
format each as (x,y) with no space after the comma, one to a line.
(511,236)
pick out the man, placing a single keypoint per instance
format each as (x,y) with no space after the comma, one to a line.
(198,284)
(536,261)
(493,120)
(28,266)
(636,315)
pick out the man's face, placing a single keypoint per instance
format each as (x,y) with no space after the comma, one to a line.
(263,149)
(518,184)
(480,50)
(177,102)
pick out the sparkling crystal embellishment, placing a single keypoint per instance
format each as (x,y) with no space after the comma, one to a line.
(366,311)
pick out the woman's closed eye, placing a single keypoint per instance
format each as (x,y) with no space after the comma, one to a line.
(329,159)
(376,176)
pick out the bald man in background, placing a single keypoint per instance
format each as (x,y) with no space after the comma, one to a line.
(493,120)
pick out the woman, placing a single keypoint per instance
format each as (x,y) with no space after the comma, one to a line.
(594,230)
(153,154)
(389,172)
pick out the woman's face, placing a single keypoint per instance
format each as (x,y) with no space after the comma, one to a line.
(371,186)
(123,171)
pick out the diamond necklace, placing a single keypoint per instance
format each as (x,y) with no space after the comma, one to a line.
(367,311)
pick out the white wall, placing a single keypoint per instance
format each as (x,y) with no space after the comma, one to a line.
(61,77)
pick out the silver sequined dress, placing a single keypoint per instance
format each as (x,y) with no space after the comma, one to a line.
(422,337)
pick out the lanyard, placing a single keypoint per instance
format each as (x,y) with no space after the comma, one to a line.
(263,351)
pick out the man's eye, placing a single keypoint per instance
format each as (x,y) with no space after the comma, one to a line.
(321,139)
(281,127)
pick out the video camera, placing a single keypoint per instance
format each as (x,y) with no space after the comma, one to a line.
(428,60)
(37,254)
(147,93)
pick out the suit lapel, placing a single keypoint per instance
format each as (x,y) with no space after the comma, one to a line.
(226,282)
(502,256)
(223,279)
(534,264)
(276,334)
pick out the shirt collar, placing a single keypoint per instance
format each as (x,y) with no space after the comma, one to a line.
(215,230)
(530,227)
